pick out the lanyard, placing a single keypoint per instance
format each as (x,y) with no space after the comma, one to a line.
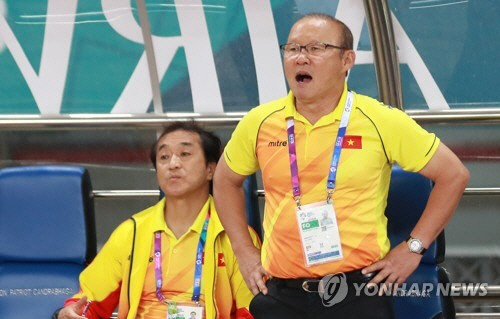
(292,152)
(197,267)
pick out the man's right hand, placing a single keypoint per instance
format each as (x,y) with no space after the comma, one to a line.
(73,311)
(229,185)
(251,269)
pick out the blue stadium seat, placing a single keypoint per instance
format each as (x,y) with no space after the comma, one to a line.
(252,203)
(408,194)
(47,236)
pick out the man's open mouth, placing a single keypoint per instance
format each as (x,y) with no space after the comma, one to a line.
(303,77)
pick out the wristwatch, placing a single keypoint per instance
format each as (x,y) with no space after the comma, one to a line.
(415,245)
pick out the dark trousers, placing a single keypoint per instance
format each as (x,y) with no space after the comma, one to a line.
(288,299)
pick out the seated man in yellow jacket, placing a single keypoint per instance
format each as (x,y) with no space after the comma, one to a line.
(174,258)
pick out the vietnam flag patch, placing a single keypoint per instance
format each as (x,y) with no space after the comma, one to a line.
(220,260)
(352,141)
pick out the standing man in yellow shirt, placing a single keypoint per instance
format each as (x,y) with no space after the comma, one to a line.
(173,259)
(321,149)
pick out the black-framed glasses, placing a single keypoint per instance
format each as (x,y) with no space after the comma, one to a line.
(291,50)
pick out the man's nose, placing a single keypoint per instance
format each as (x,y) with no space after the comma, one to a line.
(302,56)
(175,161)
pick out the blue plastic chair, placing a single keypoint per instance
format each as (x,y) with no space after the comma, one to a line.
(408,194)
(47,236)
(252,204)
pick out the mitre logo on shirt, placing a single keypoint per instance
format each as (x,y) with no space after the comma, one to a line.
(352,141)
(220,260)
(277,143)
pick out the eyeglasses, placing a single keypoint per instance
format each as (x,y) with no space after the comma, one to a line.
(291,50)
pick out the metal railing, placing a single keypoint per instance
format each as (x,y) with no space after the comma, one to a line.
(468,191)
(141,193)
(230,119)
(114,121)
(124,121)
(152,121)
(492,294)
(379,21)
(474,315)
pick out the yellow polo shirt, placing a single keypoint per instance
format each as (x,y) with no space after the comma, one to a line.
(178,265)
(377,136)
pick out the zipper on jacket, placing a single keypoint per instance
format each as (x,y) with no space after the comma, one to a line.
(216,310)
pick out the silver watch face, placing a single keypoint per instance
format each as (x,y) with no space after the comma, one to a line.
(415,245)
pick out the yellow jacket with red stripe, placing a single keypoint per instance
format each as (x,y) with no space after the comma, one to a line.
(116,276)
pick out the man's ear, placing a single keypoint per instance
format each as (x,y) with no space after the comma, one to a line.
(349,58)
(211,170)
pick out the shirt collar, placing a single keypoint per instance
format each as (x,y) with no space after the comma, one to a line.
(159,223)
(335,115)
(200,219)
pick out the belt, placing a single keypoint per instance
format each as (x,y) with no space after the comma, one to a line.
(317,284)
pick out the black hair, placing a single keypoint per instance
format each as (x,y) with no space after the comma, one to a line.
(210,143)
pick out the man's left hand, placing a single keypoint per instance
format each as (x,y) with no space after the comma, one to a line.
(394,268)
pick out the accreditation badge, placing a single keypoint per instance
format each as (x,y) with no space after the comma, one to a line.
(319,233)
(185,310)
